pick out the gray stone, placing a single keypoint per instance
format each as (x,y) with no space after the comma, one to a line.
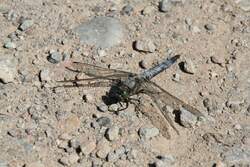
(102,107)
(112,133)
(165,5)
(55,57)
(210,27)
(127,10)
(103,149)
(7,70)
(104,121)
(188,66)
(11,15)
(187,119)
(114,156)
(45,75)
(26,24)
(10,45)
(87,147)
(244,4)
(145,45)
(176,77)
(148,133)
(217,60)
(142,64)
(164,161)
(103,32)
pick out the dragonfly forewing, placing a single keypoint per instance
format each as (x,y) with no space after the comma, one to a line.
(98,72)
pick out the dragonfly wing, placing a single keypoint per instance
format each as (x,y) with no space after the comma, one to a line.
(99,72)
(168,99)
(158,121)
(162,99)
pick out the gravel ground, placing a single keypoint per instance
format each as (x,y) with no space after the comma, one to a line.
(44,126)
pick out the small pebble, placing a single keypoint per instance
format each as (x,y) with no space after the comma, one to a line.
(145,46)
(69,160)
(188,66)
(10,45)
(26,24)
(148,133)
(45,75)
(210,27)
(127,10)
(164,161)
(87,147)
(103,149)
(114,156)
(176,77)
(8,70)
(217,60)
(55,57)
(187,119)
(112,133)
(102,107)
(165,5)
(237,127)
(104,121)
(142,64)
(246,140)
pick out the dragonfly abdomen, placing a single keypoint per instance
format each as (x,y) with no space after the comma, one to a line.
(152,72)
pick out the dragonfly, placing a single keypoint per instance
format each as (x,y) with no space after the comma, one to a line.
(124,85)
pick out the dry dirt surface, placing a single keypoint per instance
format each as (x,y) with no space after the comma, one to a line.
(44,126)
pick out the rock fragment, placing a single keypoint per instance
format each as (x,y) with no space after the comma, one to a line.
(45,75)
(145,45)
(103,149)
(112,133)
(188,66)
(87,146)
(26,24)
(127,10)
(165,5)
(8,70)
(148,133)
(10,45)
(187,119)
(55,57)
(164,161)
(115,155)
(104,121)
(69,160)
